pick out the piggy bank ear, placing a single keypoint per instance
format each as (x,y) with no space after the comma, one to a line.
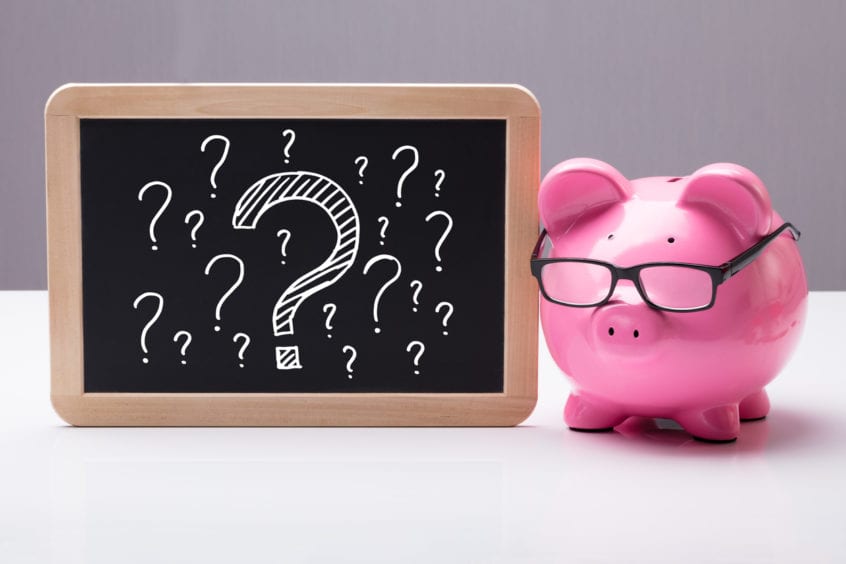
(733,191)
(576,187)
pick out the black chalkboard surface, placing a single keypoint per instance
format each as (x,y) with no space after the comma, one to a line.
(292,255)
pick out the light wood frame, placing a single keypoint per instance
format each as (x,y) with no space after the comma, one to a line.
(72,102)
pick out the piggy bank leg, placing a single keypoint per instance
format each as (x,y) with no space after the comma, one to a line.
(582,414)
(716,424)
(755,406)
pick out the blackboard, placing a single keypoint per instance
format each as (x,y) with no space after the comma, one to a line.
(294,255)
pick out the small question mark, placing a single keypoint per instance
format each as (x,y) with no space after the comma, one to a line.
(419,286)
(200,218)
(286,236)
(384,222)
(361,167)
(439,268)
(243,348)
(420,348)
(184,347)
(329,317)
(287,149)
(213,176)
(168,196)
(153,319)
(440,175)
(353,356)
(384,287)
(231,288)
(408,171)
(449,308)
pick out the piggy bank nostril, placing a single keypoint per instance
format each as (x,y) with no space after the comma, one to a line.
(636,334)
(611,331)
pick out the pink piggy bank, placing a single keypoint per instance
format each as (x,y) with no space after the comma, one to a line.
(667,297)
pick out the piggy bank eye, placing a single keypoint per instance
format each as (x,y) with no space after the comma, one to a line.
(671,240)
(610,236)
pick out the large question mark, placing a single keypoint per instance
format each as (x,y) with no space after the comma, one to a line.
(408,171)
(353,356)
(448,306)
(287,150)
(213,176)
(286,236)
(331,309)
(246,339)
(200,218)
(361,167)
(153,319)
(418,285)
(383,221)
(439,268)
(384,287)
(184,347)
(440,175)
(168,196)
(420,348)
(232,288)
(331,198)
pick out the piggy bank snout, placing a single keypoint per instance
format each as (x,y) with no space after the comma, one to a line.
(627,328)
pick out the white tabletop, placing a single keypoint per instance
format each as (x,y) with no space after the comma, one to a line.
(534,493)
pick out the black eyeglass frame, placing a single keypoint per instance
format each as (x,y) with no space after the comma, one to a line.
(718,274)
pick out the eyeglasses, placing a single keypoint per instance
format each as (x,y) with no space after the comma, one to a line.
(668,286)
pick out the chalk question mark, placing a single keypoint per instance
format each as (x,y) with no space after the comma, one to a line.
(361,167)
(439,268)
(420,348)
(440,175)
(418,286)
(213,176)
(408,171)
(384,287)
(168,196)
(331,308)
(353,356)
(287,150)
(383,221)
(246,339)
(331,198)
(152,320)
(286,236)
(448,306)
(184,347)
(200,218)
(232,288)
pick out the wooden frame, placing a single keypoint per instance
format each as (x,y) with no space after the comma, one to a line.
(71,102)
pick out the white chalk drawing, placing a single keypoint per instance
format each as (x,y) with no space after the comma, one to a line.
(246,338)
(168,196)
(287,150)
(443,237)
(330,309)
(363,160)
(232,288)
(213,176)
(200,218)
(384,287)
(286,237)
(184,348)
(449,310)
(329,196)
(420,349)
(418,286)
(408,171)
(353,355)
(383,221)
(440,175)
(152,320)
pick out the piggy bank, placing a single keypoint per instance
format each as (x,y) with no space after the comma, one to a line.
(667,297)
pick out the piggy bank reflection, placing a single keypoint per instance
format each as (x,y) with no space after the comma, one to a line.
(671,297)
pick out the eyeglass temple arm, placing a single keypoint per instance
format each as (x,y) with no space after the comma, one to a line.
(745,258)
(539,244)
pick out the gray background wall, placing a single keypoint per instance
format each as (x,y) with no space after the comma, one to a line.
(651,87)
